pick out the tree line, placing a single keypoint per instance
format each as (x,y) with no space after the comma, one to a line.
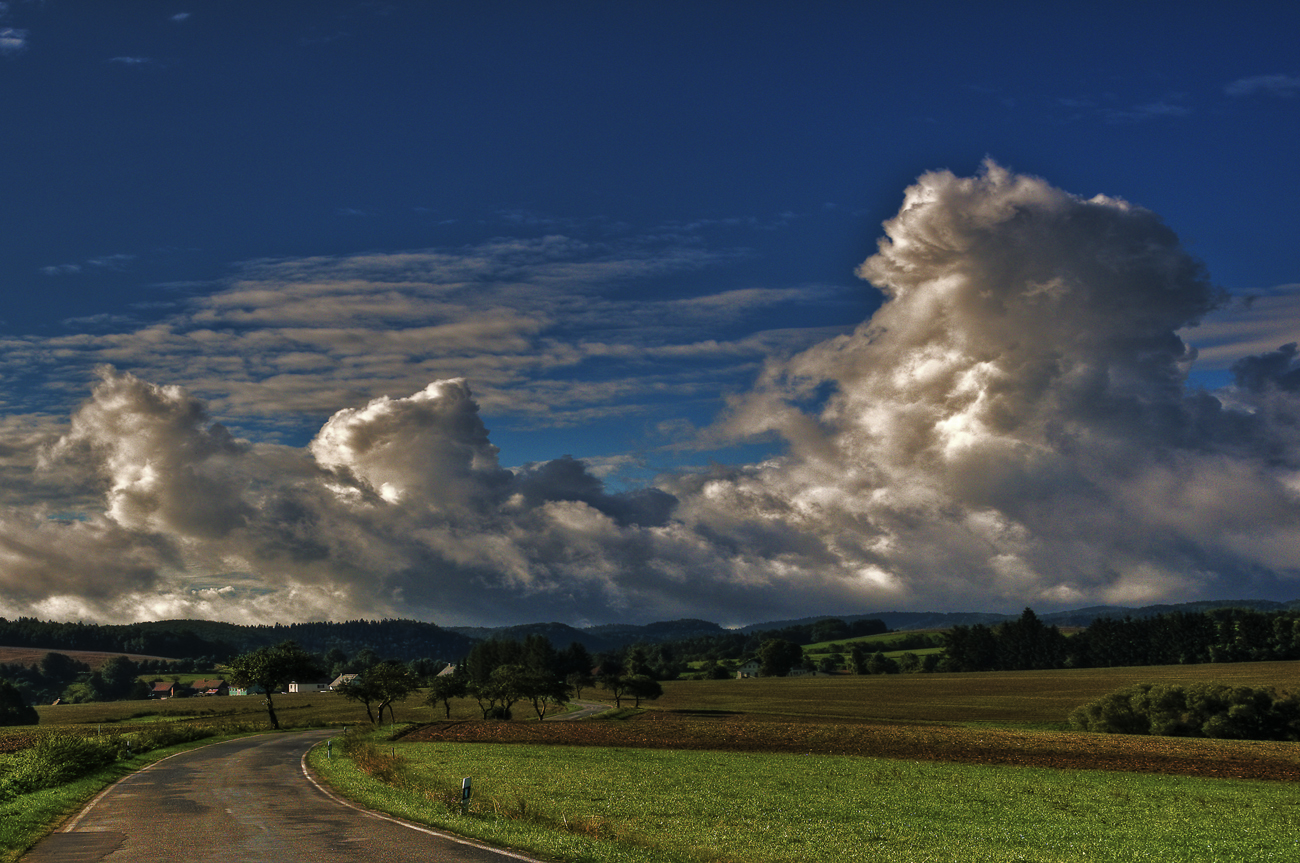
(1178,638)
(215,641)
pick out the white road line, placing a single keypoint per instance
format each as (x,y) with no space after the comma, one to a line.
(306,771)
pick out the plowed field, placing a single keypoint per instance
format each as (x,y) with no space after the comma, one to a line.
(1069,751)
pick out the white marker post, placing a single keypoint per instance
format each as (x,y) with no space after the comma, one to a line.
(464,796)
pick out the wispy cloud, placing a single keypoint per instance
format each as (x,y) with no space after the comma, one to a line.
(545,329)
(103,262)
(1157,110)
(1254,324)
(13,41)
(1276,85)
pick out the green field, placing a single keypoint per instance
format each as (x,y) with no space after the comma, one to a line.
(617,804)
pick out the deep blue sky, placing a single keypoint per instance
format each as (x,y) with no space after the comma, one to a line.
(631,207)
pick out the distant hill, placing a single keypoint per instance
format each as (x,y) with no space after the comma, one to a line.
(904,620)
(617,636)
(413,639)
(596,639)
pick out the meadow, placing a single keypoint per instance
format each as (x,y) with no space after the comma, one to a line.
(898,768)
(625,804)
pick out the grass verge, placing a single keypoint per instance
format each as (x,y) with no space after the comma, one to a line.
(614,804)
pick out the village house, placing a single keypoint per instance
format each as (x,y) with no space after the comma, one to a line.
(342,679)
(166,689)
(311,686)
(210,687)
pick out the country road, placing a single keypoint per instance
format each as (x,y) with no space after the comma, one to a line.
(246,801)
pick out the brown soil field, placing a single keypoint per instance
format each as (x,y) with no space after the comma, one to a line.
(93,658)
(1019,697)
(1218,759)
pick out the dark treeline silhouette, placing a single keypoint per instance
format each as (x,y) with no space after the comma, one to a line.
(737,645)
(1179,638)
(399,639)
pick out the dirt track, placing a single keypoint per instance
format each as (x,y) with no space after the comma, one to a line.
(1221,759)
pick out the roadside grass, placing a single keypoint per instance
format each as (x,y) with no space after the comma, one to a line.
(1020,699)
(618,804)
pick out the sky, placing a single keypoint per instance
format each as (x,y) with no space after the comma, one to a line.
(511,312)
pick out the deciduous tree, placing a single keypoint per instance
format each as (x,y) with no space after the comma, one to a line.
(380,686)
(271,669)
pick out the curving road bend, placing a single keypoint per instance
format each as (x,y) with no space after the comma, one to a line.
(246,800)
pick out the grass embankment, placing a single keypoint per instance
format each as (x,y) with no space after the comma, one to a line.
(620,804)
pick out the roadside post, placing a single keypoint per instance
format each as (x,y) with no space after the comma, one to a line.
(329,747)
(464,796)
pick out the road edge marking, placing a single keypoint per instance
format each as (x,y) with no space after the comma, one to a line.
(462,840)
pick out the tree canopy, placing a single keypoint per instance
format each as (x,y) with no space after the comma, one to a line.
(272,669)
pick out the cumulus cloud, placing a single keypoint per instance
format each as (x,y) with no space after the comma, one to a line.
(1012,427)
(1013,422)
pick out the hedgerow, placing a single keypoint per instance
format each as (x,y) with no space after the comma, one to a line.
(1197,710)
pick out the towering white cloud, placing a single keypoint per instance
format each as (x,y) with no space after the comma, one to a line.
(1013,426)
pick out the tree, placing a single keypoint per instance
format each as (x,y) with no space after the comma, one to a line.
(544,689)
(14,709)
(381,685)
(829,629)
(858,658)
(271,669)
(446,687)
(120,678)
(778,656)
(579,680)
(576,659)
(636,662)
(615,682)
(505,685)
(641,686)
(881,664)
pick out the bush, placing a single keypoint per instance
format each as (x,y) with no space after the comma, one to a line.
(1199,710)
(60,757)
(14,709)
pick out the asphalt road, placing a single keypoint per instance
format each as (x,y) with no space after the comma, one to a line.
(243,801)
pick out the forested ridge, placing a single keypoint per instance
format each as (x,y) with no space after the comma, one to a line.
(399,639)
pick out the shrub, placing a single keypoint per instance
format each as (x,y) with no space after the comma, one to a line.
(1199,710)
(14,709)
